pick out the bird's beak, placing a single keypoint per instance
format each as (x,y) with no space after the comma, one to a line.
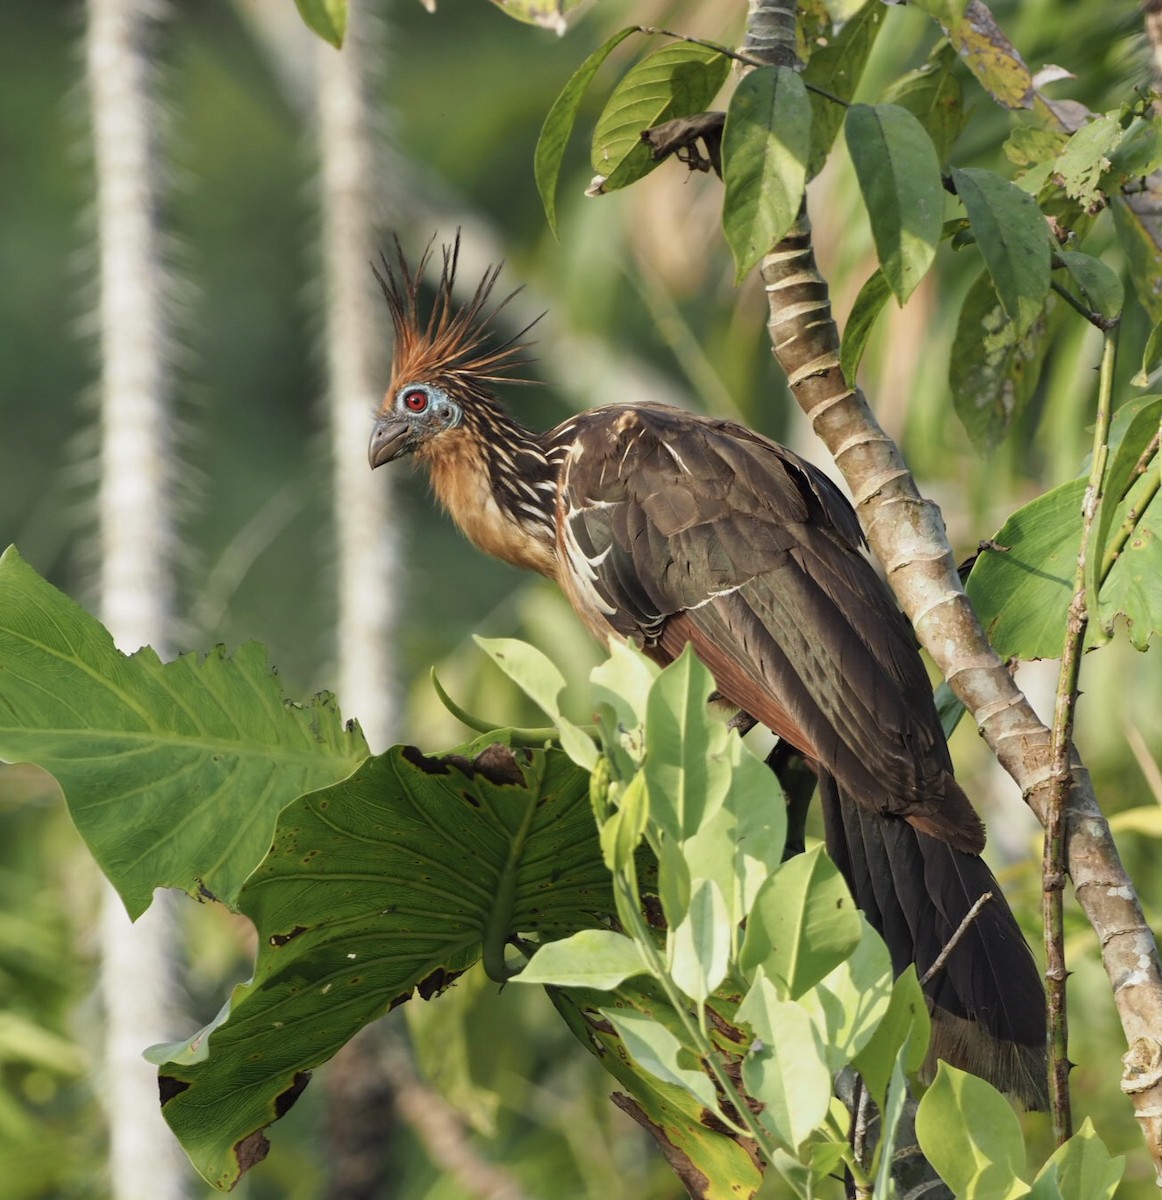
(388,440)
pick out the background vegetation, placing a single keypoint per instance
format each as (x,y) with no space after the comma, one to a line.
(641,303)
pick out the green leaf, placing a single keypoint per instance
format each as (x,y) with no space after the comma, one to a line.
(803,923)
(1011,233)
(700,946)
(1135,426)
(742,844)
(933,95)
(1022,593)
(868,306)
(899,175)
(548,14)
(690,1128)
(1100,285)
(624,680)
(786,1073)
(947,12)
(836,68)
(558,126)
(656,1049)
(677,81)
(1081,1169)
(1139,153)
(622,832)
(1032,145)
(905,1024)
(1151,358)
(992,377)
(765,144)
(395,880)
(1138,234)
(849,1002)
(992,58)
(686,769)
(970,1134)
(590,958)
(530,669)
(174,773)
(893,1106)
(328,18)
(1085,159)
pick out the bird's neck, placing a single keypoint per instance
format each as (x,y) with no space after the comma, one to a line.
(498,482)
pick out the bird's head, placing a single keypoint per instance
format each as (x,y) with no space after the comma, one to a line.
(444,362)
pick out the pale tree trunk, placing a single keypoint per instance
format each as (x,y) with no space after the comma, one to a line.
(137,973)
(351,184)
(360,1103)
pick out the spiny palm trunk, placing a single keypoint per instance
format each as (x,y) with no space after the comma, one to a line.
(135,534)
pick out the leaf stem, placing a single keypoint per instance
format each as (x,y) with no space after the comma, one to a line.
(1121,536)
(749,1126)
(1105,324)
(1053,862)
(517,737)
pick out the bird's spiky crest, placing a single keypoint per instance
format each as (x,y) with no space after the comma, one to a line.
(453,342)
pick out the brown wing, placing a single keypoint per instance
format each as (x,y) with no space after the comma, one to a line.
(676,529)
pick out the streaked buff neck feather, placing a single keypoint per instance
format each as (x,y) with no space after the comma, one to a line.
(462,482)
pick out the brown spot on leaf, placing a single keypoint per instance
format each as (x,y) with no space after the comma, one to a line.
(436,982)
(430,766)
(281,939)
(204,892)
(400,999)
(285,1100)
(251,1150)
(498,765)
(168,1087)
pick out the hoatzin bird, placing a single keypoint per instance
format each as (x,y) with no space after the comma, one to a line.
(668,529)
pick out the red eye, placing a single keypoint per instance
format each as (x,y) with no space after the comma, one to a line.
(416,400)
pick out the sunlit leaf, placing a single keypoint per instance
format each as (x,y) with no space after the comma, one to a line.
(764,161)
(899,175)
(677,81)
(590,958)
(1151,358)
(905,1023)
(850,1001)
(686,769)
(1081,1167)
(947,12)
(803,923)
(701,943)
(787,1072)
(970,1134)
(174,773)
(558,126)
(656,1049)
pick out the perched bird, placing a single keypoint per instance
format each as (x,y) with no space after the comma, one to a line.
(668,528)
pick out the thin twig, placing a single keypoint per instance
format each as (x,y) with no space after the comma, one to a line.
(745,59)
(953,941)
(1053,867)
(1105,324)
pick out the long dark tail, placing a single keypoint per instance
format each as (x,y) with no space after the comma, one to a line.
(987,1001)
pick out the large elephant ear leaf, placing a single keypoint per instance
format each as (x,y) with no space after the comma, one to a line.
(391,882)
(157,760)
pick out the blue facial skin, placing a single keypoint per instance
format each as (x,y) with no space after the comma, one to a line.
(421,410)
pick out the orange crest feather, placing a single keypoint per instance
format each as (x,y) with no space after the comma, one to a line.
(454,341)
